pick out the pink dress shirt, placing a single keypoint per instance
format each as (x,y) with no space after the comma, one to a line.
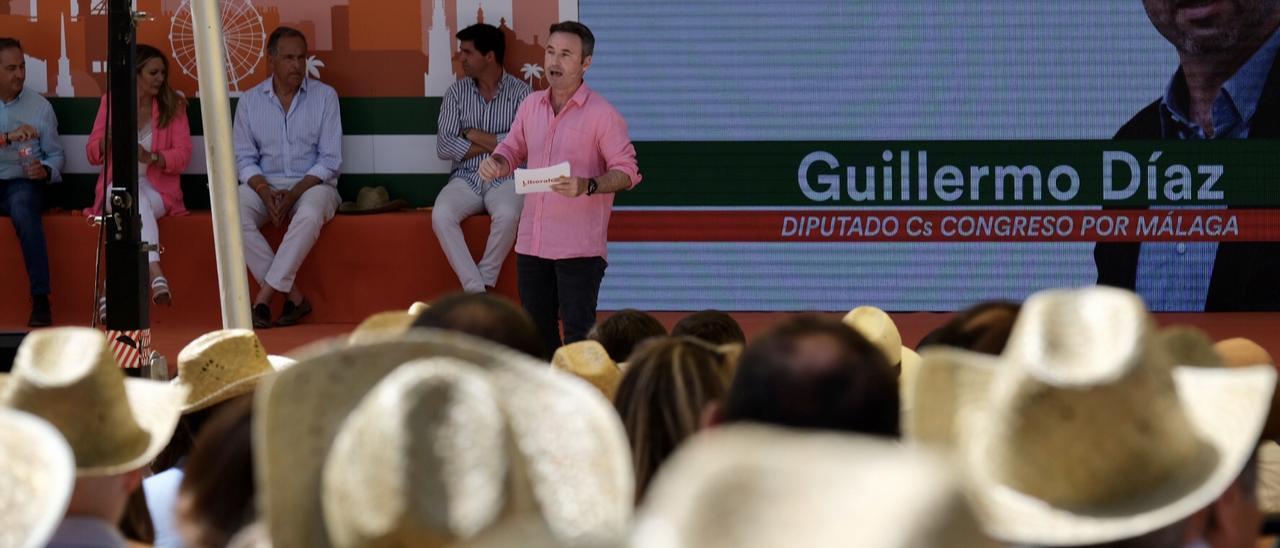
(172,142)
(589,134)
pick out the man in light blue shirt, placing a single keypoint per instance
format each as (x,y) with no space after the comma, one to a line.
(288,143)
(30,157)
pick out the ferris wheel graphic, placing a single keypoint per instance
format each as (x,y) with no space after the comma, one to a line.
(243,37)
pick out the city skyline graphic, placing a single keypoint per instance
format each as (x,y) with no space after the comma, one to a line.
(407,44)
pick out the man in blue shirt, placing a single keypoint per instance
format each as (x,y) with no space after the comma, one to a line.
(30,157)
(1226,87)
(288,142)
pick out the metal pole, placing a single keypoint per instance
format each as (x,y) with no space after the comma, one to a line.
(215,111)
(126,256)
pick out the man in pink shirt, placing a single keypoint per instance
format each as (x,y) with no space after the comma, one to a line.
(562,239)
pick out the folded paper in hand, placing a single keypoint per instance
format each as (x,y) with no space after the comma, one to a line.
(541,179)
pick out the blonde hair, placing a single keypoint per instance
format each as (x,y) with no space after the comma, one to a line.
(666,386)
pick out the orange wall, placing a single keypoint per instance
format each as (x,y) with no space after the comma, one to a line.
(386,25)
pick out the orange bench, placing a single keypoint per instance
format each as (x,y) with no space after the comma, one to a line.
(360,265)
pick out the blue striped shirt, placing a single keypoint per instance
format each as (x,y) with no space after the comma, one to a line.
(307,140)
(464,108)
(34,110)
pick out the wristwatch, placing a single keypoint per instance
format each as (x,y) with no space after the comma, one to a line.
(592,186)
(155,157)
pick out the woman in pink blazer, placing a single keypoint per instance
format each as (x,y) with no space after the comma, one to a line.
(164,149)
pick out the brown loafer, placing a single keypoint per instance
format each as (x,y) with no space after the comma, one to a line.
(293,312)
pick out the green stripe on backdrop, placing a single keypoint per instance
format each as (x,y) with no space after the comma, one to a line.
(360,115)
(76,190)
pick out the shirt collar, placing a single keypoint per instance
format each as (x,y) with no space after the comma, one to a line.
(16,98)
(1242,91)
(579,97)
(269,87)
(502,84)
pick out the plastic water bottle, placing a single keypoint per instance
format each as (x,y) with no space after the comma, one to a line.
(27,152)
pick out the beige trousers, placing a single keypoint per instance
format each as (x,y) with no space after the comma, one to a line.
(457,202)
(278,268)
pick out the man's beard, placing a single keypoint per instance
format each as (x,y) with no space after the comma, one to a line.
(1254,15)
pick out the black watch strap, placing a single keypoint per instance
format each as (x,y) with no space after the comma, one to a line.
(592,186)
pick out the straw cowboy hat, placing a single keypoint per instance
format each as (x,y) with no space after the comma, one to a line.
(1086,430)
(381,325)
(37,475)
(372,200)
(1240,352)
(876,326)
(589,361)
(221,365)
(750,486)
(565,450)
(67,376)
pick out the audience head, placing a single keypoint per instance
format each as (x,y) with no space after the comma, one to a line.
(37,474)
(983,327)
(1087,431)
(480,47)
(814,372)
(667,386)
(878,328)
(712,326)
(115,426)
(623,330)
(13,68)
(287,55)
(437,437)
(214,368)
(216,499)
(485,316)
(588,361)
(750,486)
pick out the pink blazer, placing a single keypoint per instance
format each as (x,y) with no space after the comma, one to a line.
(173,143)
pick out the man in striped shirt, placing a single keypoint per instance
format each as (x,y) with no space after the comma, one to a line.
(288,142)
(474,117)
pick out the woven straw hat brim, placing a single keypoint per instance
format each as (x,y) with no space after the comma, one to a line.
(37,475)
(156,406)
(299,411)
(226,392)
(1225,406)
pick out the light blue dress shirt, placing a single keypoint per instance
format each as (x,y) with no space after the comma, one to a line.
(1175,276)
(32,109)
(306,140)
(161,491)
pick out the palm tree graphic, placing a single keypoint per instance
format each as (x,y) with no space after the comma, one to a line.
(531,71)
(314,64)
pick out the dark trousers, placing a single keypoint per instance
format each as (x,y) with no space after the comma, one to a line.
(23,200)
(560,290)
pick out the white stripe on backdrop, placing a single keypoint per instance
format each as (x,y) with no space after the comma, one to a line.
(363,154)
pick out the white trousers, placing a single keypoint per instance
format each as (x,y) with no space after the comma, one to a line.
(456,202)
(150,208)
(278,268)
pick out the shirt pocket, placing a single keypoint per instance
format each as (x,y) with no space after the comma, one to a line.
(304,131)
(578,148)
